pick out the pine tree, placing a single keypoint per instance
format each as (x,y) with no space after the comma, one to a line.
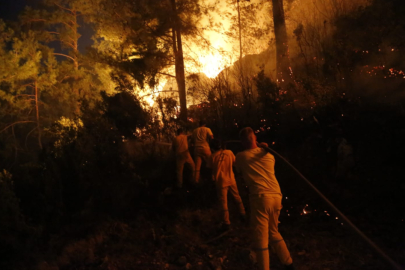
(28,71)
(77,78)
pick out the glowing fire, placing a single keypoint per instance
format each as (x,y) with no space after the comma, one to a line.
(212,64)
(148,95)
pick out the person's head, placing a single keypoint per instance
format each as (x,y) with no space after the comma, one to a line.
(202,123)
(179,131)
(248,138)
(215,144)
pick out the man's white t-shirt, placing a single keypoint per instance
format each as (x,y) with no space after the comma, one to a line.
(200,136)
(257,168)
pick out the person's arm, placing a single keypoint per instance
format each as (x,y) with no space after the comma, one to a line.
(240,181)
(210,164)
(192,139)
(174,145)
(262,145)
(210,134)
(233,158)
(238,174)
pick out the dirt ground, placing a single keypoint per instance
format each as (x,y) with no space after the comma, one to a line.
(180,230)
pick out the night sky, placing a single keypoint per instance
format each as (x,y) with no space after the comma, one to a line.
(10,8)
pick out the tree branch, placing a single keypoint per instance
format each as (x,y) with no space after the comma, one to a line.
(68,25)
(15,123)
(166,74)
(64,78)
(28,84)
(71,45)
(36,20)
(27,95)
(62,7)
(65,55)
(26,138)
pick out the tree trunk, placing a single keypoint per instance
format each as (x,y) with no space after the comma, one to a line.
(240,37)
(179,63)
(37,114)
(284,74)
(75,44)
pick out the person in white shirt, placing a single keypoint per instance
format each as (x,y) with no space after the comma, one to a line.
(201,137)
(180,147)
(257,168)
(222,162)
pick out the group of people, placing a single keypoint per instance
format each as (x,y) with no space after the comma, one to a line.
(200,138)
(256,166)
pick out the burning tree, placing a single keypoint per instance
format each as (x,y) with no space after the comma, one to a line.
(145,38)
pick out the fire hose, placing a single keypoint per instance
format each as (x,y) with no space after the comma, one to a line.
(346,219)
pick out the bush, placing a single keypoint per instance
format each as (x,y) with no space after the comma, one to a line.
(16,237)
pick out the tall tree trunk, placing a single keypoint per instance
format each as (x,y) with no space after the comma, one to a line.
(240,37)
(75,39)
(37,114)
(179,62)
(181,79)
(242,78)
(284,74)
(75,44)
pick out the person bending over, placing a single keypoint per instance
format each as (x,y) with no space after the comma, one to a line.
(257,168)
